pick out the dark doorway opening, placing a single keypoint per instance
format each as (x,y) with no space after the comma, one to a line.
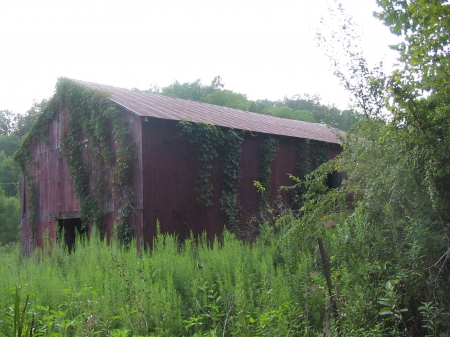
(69,230)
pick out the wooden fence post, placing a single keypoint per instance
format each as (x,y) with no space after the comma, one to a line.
(328,278)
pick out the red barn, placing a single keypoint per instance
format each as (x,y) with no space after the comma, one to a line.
(123,160)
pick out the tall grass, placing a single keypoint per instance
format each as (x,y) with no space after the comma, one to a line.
(196,289)
(274,286)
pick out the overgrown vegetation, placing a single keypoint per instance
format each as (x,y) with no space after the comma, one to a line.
(386,229)
(232,288)
(231,174)
(268,151)
(91,115)
(207,140)
(397,172)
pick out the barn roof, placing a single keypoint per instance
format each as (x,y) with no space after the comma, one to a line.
(158,106)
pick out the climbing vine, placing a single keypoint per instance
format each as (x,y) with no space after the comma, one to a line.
(205,138)
(268,150)
(307,161)
(24,159)
(320,153)
(231,173)
(91,115)
(304,167)
(73,145)
(304,158)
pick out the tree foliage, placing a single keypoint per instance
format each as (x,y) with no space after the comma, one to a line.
(195,91)
(299,107)
(7,125)
(286,112)
(420,90)
(229,99)
(24,122)
(13,128)
(395,226)
(9,218)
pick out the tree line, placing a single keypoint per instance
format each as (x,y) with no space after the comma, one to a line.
(304,107)
(13,128)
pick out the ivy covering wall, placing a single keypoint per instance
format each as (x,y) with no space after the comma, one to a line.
(91,116)
(206,140)
(311,154)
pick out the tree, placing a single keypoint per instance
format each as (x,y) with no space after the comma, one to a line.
(300,107)
(229,99)
(9,144)
(194,91)
(7,124)
(425,28)
(9,175)
(23,123)
(397,162)
(9,218)
(259,105)
(419,90)
(286,112)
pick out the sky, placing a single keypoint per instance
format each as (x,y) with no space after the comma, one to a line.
(264,49)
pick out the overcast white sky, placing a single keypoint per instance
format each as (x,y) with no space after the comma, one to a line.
(265,49)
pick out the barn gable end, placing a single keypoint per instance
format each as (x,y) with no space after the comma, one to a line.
(116,159)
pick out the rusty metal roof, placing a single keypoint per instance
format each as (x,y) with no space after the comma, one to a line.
(158,106)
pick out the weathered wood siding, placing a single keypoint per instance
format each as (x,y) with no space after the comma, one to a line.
(170,170)
(163,181)
(55,192)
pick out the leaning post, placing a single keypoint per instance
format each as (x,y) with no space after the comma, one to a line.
(328,278)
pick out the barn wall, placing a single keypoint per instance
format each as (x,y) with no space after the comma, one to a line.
(55,192)
(169,185)
(170,171)
(163,181)
(136,181)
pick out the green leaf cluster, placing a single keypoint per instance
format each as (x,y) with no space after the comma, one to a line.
(9,218)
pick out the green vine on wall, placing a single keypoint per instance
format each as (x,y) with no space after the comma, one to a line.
(73,144)
(304,167)
(91,115)
(268,150)
(320,153)
(231,173)
(304,164)
(311,154)
(23,158)
(205,138)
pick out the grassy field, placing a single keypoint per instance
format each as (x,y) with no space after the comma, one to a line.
(197,289)
(274,286)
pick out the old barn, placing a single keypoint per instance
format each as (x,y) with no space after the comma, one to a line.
(122,160)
